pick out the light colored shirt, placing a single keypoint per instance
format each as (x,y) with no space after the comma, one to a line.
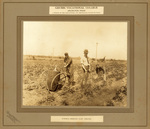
(85,61)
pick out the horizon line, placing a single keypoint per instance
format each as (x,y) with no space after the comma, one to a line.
(76,57)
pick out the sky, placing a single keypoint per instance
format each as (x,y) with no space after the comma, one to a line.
(51,38)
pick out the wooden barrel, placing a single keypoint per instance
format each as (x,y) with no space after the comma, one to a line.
(52,80)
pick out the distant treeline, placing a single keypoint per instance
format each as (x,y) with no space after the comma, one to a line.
(38,57)
(46,57)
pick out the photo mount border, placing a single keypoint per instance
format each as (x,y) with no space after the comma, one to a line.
(146,126)
(69,109)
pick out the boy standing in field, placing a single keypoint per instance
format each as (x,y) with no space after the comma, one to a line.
(69,68)
(85,66)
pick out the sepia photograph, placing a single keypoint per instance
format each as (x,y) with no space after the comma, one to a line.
(75,63)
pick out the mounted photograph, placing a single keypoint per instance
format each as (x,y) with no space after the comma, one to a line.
(75,63)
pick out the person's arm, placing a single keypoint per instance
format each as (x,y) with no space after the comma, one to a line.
(89,63)
(82,63)
(64,61)
(69,62)
(84,68)
(88,60)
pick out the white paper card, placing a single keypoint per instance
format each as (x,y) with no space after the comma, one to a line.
(76,10)
(76,119)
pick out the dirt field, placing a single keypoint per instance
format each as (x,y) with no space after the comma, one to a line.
(113,92)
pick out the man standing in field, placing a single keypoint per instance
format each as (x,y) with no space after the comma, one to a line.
(69,68)
(85,66)
(101,68)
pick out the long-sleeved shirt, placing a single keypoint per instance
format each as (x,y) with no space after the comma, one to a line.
(67,61)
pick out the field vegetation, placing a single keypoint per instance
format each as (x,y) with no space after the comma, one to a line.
(97,92)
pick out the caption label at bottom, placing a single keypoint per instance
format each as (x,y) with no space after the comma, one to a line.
(76,119)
